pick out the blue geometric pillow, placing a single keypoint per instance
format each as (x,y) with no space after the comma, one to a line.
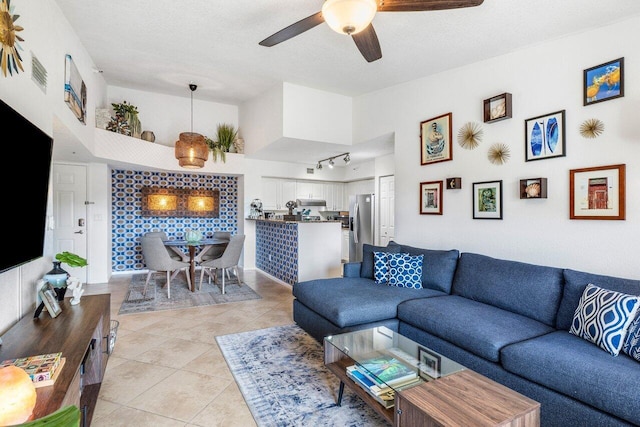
(405,271)
(381,268)
(632,342)
(603,317)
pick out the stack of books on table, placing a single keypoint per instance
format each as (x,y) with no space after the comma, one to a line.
(43,369)
(379,375)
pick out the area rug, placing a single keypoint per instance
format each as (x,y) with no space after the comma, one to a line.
(281,374)
(181,297)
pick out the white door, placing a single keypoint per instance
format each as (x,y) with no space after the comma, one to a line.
(70,214)
(387,229)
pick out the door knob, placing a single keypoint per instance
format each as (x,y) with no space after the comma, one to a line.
(79,232)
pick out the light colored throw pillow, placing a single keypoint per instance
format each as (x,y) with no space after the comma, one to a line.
(603,317)
(381,267)
(405,271)
(632,342)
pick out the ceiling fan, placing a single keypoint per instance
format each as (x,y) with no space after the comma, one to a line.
(353,18)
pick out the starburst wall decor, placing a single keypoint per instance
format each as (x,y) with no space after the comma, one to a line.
(10,59)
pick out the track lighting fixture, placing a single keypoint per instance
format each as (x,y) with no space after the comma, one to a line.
(330,160)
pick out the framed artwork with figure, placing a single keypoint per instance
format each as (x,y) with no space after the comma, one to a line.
(431,198)
(487,200)
(435,140)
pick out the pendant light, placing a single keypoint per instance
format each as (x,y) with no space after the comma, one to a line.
(191,149)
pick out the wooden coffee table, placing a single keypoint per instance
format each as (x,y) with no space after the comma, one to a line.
(448,395)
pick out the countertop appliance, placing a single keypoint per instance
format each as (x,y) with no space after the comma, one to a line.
(361,224)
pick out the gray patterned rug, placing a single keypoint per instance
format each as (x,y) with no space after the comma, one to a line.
(181,297)
(280,372)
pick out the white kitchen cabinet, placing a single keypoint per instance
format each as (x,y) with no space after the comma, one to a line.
(345,245)
(310,190)
(287,191)
(334,195)
(276,192)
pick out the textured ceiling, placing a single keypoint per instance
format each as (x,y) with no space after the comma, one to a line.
(162,45)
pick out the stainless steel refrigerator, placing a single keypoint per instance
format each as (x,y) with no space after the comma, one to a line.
(361,224)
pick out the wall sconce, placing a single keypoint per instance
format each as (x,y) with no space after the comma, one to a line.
(330,160)
(180,202)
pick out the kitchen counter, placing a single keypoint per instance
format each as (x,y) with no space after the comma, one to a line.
(294,222)
(295,251)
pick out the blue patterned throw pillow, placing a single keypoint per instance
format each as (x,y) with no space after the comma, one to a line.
(632,342)
(603,317)
(405,271)
(381,268)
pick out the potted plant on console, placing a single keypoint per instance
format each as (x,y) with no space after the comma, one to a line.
(58,276)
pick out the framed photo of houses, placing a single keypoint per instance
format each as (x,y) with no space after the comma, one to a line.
(603,82)
(597,192)
(545,136)
(487,200)
(431,198)
(435,140)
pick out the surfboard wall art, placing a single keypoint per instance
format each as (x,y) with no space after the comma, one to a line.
(545,136)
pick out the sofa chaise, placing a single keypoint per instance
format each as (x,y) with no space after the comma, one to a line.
(507,320)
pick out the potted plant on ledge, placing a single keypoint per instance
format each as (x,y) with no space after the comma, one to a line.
(58,276)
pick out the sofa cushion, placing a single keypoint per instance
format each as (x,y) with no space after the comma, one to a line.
(353,301)
(574,367)
(576,281)
(476,327)
(527,289)
(603,317)
(381,267)
(438,266)
(366,269)
(632,341)
(405,271)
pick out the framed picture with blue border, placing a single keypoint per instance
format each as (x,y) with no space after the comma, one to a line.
(603,82)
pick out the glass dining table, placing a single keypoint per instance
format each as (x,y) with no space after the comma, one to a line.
(194,248)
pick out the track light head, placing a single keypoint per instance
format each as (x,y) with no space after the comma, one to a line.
(347,159)
(319,165)
(331,163)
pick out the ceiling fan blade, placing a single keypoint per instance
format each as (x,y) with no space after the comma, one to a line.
(293,30)
(424,5)
(368,45)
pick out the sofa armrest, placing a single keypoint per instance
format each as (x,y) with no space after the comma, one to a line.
(351,269)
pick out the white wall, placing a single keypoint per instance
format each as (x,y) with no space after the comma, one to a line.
(544,78)
(46,34)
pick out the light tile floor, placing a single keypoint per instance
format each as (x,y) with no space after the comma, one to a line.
(166,368)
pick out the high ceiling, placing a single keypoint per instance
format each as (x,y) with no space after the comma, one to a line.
(162,45)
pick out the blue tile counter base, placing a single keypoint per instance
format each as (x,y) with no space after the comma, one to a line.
(128,224)
(277,249)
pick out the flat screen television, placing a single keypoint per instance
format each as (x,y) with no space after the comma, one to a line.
(24,174)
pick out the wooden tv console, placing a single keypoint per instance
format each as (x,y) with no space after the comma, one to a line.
(81,333)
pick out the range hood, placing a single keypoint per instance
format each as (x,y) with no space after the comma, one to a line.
(311,202)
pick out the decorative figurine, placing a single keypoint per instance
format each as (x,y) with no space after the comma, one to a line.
(76,287)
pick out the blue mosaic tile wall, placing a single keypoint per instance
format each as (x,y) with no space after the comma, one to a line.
(128,224)
(277,250)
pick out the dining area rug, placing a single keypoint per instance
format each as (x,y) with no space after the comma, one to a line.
(281,374)
(181,297)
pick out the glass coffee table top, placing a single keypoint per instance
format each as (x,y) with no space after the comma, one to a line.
(384,355)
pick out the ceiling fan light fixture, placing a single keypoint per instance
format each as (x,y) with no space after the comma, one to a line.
(349,16)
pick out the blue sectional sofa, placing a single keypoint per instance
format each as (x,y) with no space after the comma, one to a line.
(505,319)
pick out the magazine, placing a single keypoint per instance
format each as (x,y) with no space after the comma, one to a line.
(387,369)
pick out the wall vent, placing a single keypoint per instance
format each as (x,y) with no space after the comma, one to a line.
(310,171)
(38,73)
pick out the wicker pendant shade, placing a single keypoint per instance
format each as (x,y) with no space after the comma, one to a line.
(191,149)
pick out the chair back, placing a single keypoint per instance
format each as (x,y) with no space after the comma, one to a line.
(161,234)
(222,235)
(156,256)
(231,255)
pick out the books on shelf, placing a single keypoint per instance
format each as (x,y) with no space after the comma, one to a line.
(385,398)
(43,369)
(386,369)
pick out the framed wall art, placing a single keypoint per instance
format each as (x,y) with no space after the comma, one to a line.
(429,364)
(435,140)
(603,82)
(544,136)
(75,91)
(48,296)
(487,200)
(497,108)
(597,193)
(431,198)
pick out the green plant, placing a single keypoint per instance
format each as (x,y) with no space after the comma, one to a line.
(130,113)
(72,260)
(225,135)
(216,150)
